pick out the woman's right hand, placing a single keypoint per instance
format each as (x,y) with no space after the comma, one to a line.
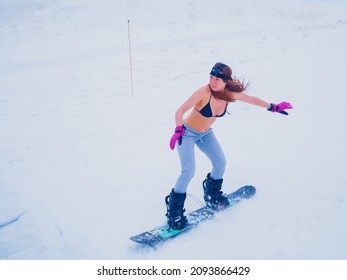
(177,137)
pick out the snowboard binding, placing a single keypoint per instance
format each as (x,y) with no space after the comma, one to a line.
(213,196)
(175,211)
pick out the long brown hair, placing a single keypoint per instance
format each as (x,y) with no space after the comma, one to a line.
(232,84)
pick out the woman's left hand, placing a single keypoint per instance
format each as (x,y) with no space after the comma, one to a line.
(280,107)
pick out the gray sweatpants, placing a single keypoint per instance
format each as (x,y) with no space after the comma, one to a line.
(209,145)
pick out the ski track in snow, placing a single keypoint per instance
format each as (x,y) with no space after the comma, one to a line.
(90,165)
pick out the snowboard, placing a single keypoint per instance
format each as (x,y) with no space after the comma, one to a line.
(164,232)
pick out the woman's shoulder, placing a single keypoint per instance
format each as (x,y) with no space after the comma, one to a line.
(236,95)
(203,91)
(200,95)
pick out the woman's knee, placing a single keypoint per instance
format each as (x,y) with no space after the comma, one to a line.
(220,165)
(188,173)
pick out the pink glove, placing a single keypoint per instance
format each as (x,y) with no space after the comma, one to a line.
(280,107)
(179,132)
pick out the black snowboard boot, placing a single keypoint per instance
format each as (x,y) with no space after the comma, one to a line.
(174,205)
(213,195)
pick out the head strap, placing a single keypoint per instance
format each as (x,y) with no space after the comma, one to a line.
(216,71)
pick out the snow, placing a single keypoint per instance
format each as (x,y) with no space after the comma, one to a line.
(88,165)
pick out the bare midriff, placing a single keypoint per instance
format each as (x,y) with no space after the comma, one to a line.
(198,122)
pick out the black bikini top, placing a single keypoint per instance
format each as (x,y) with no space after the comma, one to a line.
(206,111)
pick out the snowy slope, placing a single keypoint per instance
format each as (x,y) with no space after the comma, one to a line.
(89,165)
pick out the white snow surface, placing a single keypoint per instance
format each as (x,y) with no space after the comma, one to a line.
(88,165)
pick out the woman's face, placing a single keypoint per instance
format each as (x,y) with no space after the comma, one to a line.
(217,84)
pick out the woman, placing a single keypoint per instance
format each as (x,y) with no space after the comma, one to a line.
(210,102)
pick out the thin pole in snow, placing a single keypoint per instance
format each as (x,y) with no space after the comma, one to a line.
(130,61)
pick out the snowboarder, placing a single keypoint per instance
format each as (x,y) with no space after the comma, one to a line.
(210,102)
